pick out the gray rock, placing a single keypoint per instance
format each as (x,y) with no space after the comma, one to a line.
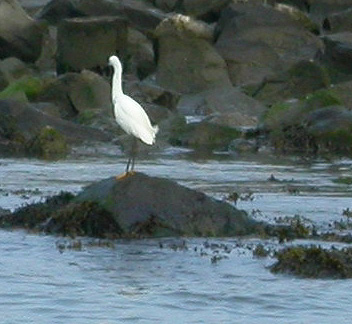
(339,21)
(267,40)
(56,10)
(75,93)
(151,206)
(21,122)
(187,61)
(238,108)
(20,36)
(338,51)
(87,43)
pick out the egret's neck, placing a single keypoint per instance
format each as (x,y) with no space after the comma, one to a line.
(117,83)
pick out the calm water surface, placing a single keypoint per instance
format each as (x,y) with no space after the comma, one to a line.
(140,282)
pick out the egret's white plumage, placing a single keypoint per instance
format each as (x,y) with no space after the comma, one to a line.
(129,114)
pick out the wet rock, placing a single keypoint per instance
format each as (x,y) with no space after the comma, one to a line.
(267,40)
(203,136)
(137,206)
(48,144)
(98,36)
(20,36)
(318,124)
(314,262)
(151,206)
(241,145)
(187,61)
(338,51)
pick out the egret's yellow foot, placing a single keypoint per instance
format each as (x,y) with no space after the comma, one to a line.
(125,175)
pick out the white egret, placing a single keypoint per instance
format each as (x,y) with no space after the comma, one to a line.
(130,115)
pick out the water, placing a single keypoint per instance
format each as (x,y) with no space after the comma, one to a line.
(137,281)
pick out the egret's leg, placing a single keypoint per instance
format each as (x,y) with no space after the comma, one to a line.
(134,153)
(131,161)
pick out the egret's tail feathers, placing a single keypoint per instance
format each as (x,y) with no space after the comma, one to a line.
(148,136)
(156,129)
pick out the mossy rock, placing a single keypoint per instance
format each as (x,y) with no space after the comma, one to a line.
(30,86)
(314,262)
(204,135)
(321,98)
(48,144)
(83,219)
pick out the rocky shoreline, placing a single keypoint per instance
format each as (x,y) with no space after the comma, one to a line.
(261,76)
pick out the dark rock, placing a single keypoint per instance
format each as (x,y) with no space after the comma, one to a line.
(20,36)
(87,43)
(12,69)
(136,206)
(48,144)
(321,9)
(203,136)
(75,93)
(279,39)
(301,79)
(338,51)
(314,262)
(229,106)
(21,123)
(150,206)
(140,51)
(208,10)
(339,21)
(241,145)
(56,10)
(187,61)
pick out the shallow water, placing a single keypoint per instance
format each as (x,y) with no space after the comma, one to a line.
(140,282)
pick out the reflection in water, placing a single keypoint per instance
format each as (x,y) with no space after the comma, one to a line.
(139,282)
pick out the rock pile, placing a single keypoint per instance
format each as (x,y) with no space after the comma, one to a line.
(235,65)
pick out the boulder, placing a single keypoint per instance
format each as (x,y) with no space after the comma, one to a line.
(12,69)
(318,124)
(266,39)
(320,9)
(202,136)
(87,43)
(297,81)
(21,123)
(187,61)
(238,109)
(20,36)
(151,206)
(57,10)
(140,51)
(339,21)
(75,93)
(338,51)
(207,10)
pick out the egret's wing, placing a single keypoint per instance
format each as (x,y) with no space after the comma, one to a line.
(133,119)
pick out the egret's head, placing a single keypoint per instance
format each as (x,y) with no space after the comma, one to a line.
(115,62)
